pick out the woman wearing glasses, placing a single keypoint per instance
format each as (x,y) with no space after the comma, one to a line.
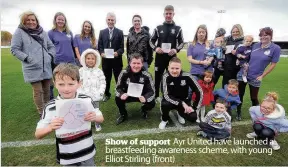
(263,53)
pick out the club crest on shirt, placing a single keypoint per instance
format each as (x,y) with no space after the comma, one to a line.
(141,80)
(128,81)
(172,31)
(162,32)
(267,52)
(183,82)
(247,51)
(68,35)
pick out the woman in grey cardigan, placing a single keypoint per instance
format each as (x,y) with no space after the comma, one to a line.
(32,46)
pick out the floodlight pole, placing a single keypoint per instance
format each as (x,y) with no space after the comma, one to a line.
(221,13)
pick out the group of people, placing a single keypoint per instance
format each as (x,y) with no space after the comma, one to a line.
(187,92)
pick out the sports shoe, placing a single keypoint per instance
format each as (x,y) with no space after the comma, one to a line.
(198,120)
(244,78)
(274,145)
(98,127)
(201,133)
(180,119)
(106,98)
(163,124)
(251,135)
(238,117)
(121,119)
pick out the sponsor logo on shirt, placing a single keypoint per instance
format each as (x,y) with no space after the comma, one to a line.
(172,31)
(141,80)
(171,83)
(183,82)
(162,32)
(247,51)
(267,52)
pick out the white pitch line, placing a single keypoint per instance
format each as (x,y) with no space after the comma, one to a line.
(112,134)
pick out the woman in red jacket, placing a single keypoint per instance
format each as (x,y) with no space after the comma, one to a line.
(207,86)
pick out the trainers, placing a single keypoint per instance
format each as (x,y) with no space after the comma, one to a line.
(244,79)
(106,98)
(163,124)
(198,120)
(251,135)
(238,117)
(201,133)
(98,127)
(274,145)
(180,119)
(121,119)
(144,115)
(158,100)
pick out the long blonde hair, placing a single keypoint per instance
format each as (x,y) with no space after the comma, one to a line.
(204,27)
(92,34)
(239,27)
(66,28)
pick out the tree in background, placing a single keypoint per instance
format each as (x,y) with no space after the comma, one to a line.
(5,38)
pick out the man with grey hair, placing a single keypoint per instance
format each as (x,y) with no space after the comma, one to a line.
(170,41)
(111,48)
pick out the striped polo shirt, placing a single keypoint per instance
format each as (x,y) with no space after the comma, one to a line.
(72,149)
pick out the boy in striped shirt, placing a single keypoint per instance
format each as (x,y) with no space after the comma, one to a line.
(78,149)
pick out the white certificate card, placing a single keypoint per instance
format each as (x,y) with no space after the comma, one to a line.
(73,112)
(134,89)
(109,53)
(229,48)
(166,47)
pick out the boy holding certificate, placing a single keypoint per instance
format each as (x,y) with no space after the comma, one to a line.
(76,147)
(134,85)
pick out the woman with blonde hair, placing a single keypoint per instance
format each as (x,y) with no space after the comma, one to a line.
(196,50)
(62,38)
(85,40)
(31,45)
(230,68)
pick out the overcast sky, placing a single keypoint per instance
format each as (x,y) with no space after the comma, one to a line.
(251,14)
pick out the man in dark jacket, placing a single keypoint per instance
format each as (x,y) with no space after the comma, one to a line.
(111,39)
(138,40)
(149,49)
(134,75)
(169,40)
(176,84)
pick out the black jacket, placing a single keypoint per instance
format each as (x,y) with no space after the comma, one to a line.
(167,33)
(117,43)
(175,89)
(149,49)
(138,43)
(230,59)
(142,77)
